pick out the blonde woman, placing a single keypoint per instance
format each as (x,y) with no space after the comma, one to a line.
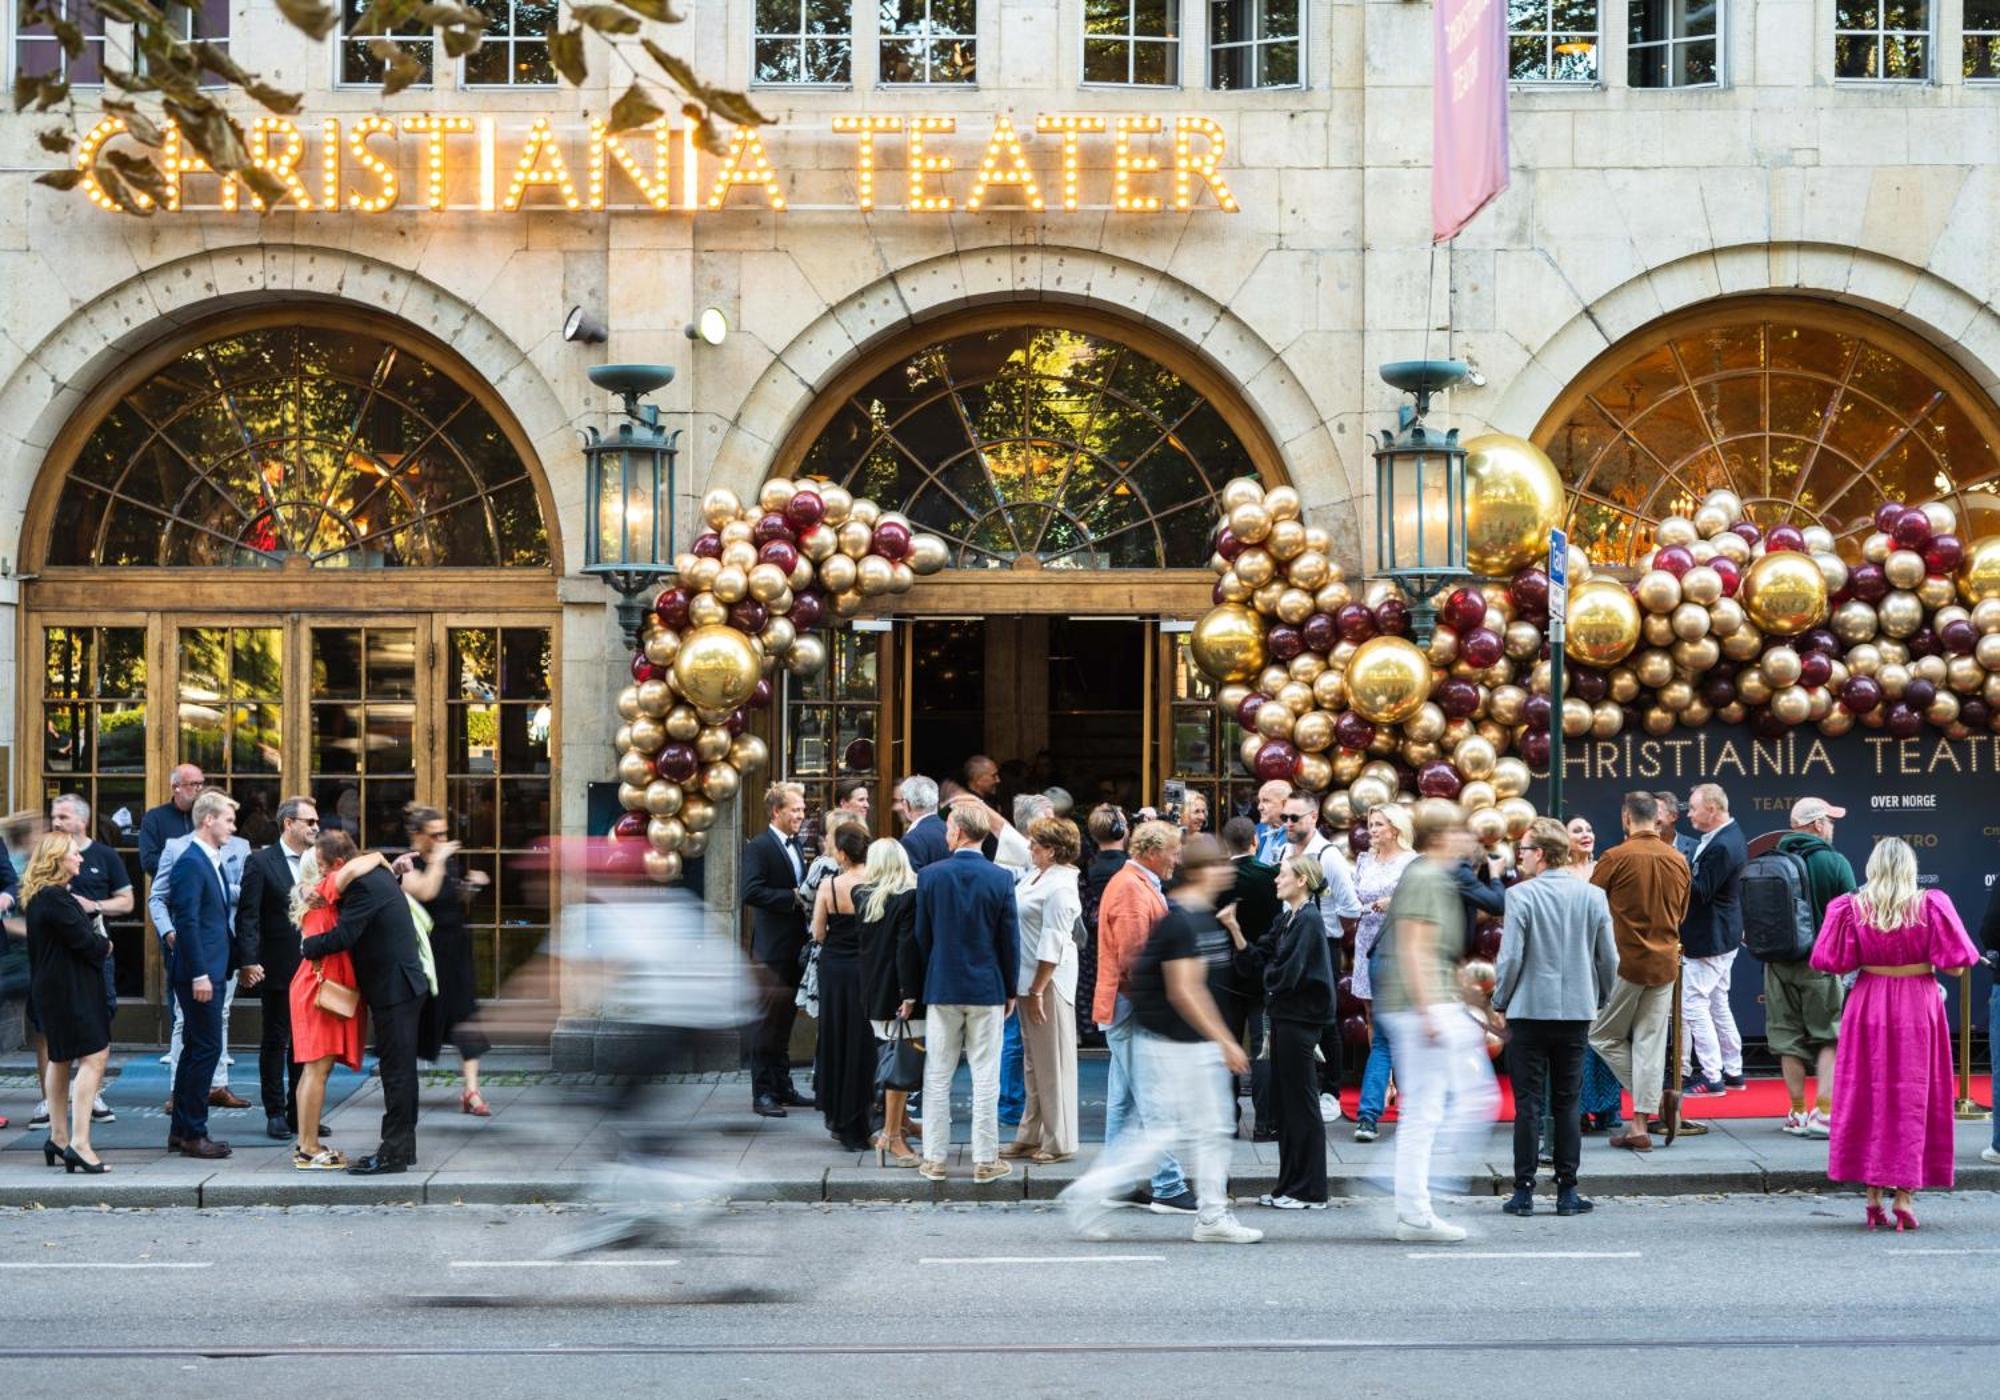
(318,1036)
(1049,905)
(1376,875)
(66,976)
(1892,1095)
(892,977)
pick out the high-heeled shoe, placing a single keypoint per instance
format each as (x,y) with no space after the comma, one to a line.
(894,1150)
(473,1102)
(73,1162)
(1905,1220)
(1877,1218)
(52,1154)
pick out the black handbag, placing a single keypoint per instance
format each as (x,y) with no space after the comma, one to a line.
(899,1064)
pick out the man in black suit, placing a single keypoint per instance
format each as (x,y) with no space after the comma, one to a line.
(1711,935)
(266,938)
(1254,902)
(375,926)
(774,867)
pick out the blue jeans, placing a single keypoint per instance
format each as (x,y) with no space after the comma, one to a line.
(1013,1073)
(1375,1078)
(1125,1098)
(1993,1041)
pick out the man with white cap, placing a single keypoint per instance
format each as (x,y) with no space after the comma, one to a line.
(1801,1006)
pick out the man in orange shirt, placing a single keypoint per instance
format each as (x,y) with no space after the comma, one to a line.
(1133,902)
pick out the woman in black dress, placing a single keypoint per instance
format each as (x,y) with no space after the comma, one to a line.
(1298,987)
(431,877)
(892,978)
(845,1083)
(66,978)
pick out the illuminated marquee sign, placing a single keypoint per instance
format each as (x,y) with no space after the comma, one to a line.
(447,161)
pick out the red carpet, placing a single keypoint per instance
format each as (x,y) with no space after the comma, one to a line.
(1763,1098)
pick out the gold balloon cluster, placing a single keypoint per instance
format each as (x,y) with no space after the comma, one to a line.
(749,594)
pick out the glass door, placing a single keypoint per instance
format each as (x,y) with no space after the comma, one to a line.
(229,697)
(369,725)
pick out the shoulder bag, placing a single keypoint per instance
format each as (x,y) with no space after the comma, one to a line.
(334,998)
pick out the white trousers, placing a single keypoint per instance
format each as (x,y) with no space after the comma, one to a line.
(977,1031)
(1448,1098)
(223,1061)
(1711,1026)
(1188,1112)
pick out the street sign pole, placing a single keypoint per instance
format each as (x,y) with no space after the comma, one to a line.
(1558,572)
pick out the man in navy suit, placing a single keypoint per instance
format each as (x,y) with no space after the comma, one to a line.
(923,837)
(1711,934)
(774,868)
(969,935)
(199,964)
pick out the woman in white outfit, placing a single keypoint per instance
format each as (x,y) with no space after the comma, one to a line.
(1050,907)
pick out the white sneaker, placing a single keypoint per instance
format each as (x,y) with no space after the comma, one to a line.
(1818,1125)
(1224,1230)
(1432,1231)
(1990,1154)
(100,1111)
(40,1117)
(1329,1109)
(1087,1219)
(1795,1124)
(1289,1203)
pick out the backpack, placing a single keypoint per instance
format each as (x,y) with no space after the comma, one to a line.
(1778,923)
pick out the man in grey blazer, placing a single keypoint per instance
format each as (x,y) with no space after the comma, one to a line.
(1558,963)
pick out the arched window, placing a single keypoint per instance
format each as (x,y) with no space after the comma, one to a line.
(1036,444)
(319,443)
(1813,413)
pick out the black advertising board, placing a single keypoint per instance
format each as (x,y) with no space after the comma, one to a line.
(1941,795)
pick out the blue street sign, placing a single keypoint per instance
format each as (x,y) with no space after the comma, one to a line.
(1558,557)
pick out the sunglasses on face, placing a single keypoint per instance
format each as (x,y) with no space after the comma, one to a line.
(1298,816)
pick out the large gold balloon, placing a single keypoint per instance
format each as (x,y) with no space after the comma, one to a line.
(1388,680)
(717,668)
(1979,575)
(1785,593)
(1228,643)
(1514,497)
(1603,624)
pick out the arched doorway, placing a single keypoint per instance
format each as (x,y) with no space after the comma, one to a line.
(1071,460)
(309,550)
(1814,413)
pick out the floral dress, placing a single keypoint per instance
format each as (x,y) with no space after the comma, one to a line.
(1373,879)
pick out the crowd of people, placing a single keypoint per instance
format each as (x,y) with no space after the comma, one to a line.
(1216,968)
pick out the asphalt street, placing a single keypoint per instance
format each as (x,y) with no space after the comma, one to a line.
(1764,1297)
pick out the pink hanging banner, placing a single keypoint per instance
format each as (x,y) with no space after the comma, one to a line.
(1469,112)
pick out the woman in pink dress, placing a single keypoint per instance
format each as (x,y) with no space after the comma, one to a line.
(1892,1104)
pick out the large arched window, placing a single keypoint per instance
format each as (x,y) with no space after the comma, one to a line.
(330,445)
(1813,413)
(1030,444)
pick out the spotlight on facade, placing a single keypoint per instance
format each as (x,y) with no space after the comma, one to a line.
(710,328)
(582,328)
(1420,495)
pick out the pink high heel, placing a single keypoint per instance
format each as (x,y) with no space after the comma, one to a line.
(1905,1220)
(473,1102)
(1877,1217)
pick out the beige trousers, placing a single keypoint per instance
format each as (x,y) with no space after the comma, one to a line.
(1631,1034)
(1048,1053)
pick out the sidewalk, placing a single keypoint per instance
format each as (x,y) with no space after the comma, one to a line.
(549,1131)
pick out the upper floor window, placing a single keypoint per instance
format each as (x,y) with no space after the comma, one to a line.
(38,53)
(1674,43)
(514,50)
(1882,39)
(1254,44)
(358,63)
(1982,40)
(930,41)
(1132,41)
(206,20)
(804,41)
(1552,41)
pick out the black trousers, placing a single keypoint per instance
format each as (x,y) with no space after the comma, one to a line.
(771,1045)
(277,1072)
(1545,1060)
(1327,1037)
(396,1050)
(1295,1104)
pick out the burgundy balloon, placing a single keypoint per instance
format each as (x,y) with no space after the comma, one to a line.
(1729,572)
(1784,538)
(1922,642)
(1886,516)
(642,669)
(1319,632)
(783,553)
(1815,668)
(805,509)
(1349,1004)
(1975,714)
(1486,941)
(1767,725)
(1912,529)
(1717,691)
(1277,761)
(1354,623)
(677,762)
(1943,554)
(1919,693)
(808,608)
(1438,779)
(892,540)
(1284,642)
(760,694)
(1215,594)
(1535,712)
(1482,647)
(1747,531)
(1959,636)
(1535,747)
(1903,722)
(749,615)
(1821,639)
(1465,608)
(1354,1033)
(1869,583)
(1590,685)
(1246,711)
(708,545)
(1351,731)
(672,606)
(1530,591)
(738,721)
(1457,697)
(770,527)
(630,826)
(1676,559)
(1357,838)
(1862,695)
(1392,615)
(1226,543)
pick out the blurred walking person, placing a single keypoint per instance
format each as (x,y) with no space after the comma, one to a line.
(1892,1106)
(1051,912)
(66,952)
(320,1036)
(1252,907)
(1376,875)
(1440,1051)
(1298,990)
(892,977)
(845,1082)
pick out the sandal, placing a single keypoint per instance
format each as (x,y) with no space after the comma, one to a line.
(1043,1159)
(473,1102)
(327,1159)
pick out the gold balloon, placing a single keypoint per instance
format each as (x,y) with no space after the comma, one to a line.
(1877,548)
(1506,704)
(663,867)
(1904,568)
(1657,720)
(1511,777)
(1901,613)
(1519,814)
(1307,666)
(1785,593)
(1781,665)
(1488,825)
(1837,723)
(1338,809)
(1657,630)
(1330,691)
(748,753)
(1283,503)
(1388,680)
(731,585)
(1935,593)
(1603,624)
(1834,568)
(1313,732)
(1695,657)
(1659,591)
(839,574)
(1334,596)
(928,554)
(1474,759)
(665,833)
(720,782)
(875,575)
(1295,605)
(1272,679)
(628,702)
(807,657)
(1792,704)
(621,740)
(1265,599)
(1250,522)
(683,723)
(1308,570)
(1701,584)
(855,536)
(712,744)
(661,644)
(636,770)
(1296,697)
(697,813)
(1523,641)
(1256,567)
(1743,644)
(1228,643)
(740,555)
(1477,795)
(1287,541)
(655,698)
(698,576)
(717,667)
(1513,498)
(1577,717)
(1624,685)
(1314,773)
(736,532)
(1710,520)
(1231,696)
(1232,589)
(663,798)
(776,494)
(1241,490)
(631,798)
(1979,575)
(1275,721)
(1690,622)
(1248,749)
(1427,725)
(1752,687)
(768,582)
(1726,501)
(720,506)
(648,734)
(1368,792)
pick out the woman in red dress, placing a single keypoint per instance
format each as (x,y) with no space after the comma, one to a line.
(320,1037)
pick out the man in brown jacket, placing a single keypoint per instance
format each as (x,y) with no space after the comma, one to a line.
(1645,881)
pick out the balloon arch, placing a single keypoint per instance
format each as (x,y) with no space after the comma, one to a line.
(1726,620)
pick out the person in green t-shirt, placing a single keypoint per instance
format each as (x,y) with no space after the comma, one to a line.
(1440,1051)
